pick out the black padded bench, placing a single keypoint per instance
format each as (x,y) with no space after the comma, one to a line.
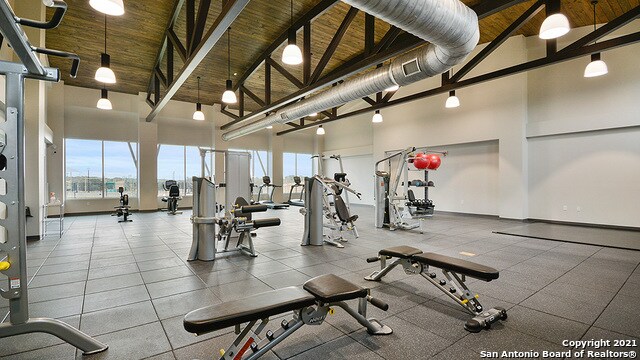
(455,271)
(310,304)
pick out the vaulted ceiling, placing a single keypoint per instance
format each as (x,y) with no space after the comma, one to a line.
(134,39)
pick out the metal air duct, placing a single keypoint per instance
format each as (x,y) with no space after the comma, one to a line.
(450,27)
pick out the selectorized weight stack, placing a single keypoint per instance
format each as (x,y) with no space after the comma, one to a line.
(13,242)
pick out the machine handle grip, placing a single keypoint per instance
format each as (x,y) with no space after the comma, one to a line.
(378,303)
(252,208)
(372,259)
(56,19)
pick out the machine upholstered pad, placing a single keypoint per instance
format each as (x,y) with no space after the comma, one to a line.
(258,223)
(467,268)
(402,252)
(250,308)
(330,288)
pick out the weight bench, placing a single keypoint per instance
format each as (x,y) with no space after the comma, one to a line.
(310,304)
(455,271)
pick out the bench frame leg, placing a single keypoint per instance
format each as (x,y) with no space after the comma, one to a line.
(250,344)
(409,267)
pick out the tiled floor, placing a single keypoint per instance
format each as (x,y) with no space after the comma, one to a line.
(129,286)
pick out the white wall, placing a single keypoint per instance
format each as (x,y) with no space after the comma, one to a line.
(498,135)
(356,167)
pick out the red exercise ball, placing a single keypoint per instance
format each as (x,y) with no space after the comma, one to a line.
(421,161)
(434,161)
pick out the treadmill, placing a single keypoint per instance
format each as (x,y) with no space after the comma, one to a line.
(297,183)
(266,183)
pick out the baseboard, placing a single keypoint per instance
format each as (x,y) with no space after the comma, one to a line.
(485,216)
(571,223)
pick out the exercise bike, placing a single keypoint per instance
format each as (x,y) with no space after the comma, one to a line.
(174,195)
(123,209)
(266,183)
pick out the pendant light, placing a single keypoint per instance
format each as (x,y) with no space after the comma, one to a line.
(292,54)
(104,74)
(198,114)
(377,117)
(104,103)
(313,114)
(108,7)
(554,25)
(229,97)
(270,127)
(320,130)
(596,67)
(452,100)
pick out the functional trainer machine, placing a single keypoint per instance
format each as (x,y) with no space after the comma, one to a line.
(174,195)
(455,271)
(234,223)
(12,203)
(396,205)
(322,197)
(297,183)
(266,183)
(310,304)
(122,210)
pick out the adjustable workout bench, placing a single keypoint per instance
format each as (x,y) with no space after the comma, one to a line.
(455,271)
(310,304)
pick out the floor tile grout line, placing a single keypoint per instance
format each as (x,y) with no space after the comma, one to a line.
(85,282)
(6,316)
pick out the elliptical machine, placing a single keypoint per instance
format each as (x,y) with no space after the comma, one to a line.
(174,195)
(123,209)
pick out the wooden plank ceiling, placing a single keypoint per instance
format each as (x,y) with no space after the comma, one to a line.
(134,39)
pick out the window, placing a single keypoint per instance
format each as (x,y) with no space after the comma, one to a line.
(120,169)
(295,164)
(96,169)
(179,163)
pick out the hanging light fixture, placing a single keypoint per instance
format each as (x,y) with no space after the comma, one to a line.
(229,97)
(452,100)
(320,130)
(198,114)
(292,55)
(554,26)
(392,88)
(596,67)
(104,103)
(108,7)
(270,127)
(104,74)
(377,117)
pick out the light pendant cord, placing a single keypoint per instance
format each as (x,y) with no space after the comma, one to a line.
(229,53)
(291,15)
(198,88)
(105,34)
(595,2)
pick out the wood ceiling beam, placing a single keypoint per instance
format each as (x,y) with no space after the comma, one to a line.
(177,44)
(499,40)
(253,96)
(163,48)
(333,44)
(201,22)
(512,70)
(316,11)
(294,80)
(396,43)
(229,13)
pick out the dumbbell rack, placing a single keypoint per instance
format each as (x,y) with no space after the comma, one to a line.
(12,184)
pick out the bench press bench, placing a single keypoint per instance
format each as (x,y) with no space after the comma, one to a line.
(455,271)
(310,304)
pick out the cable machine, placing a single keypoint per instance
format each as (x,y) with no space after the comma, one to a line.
(12,187)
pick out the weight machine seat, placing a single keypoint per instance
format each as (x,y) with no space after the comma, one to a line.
(174,191)
(255,307)
(330,288)
(402,252)
(342,211)
(258,223)
(460,266)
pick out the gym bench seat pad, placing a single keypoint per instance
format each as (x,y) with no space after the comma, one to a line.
(331,288)
(468,268)
(259,306)
(402,252)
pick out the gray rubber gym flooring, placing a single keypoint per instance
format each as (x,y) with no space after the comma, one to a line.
(129,285)
(624,239)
